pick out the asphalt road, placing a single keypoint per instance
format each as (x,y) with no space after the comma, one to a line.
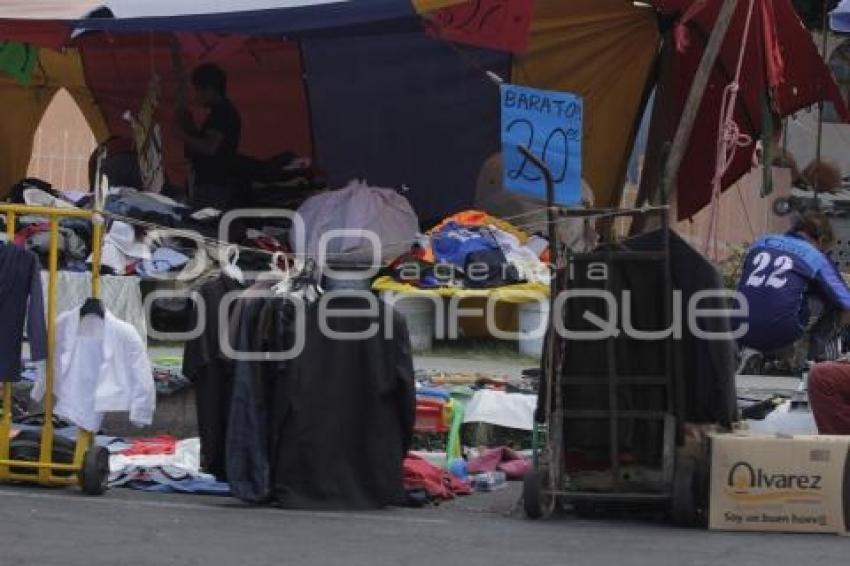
(43,527)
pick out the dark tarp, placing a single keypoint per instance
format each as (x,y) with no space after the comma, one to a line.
(293,21)
(405,109)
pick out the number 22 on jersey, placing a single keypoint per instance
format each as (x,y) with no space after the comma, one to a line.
(776,278)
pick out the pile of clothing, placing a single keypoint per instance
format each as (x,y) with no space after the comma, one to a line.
(161,464)
(33,232)
(284,181)
(474,250)
(426,483)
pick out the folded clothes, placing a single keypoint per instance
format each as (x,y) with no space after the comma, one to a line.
(163,260)
(145,206)
(167,479)
(158,452)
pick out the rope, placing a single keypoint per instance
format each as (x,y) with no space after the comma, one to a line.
(730,137)
(224,246)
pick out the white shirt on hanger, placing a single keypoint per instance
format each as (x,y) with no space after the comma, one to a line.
(101,366)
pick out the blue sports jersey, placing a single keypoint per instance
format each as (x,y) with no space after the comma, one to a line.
(779,273)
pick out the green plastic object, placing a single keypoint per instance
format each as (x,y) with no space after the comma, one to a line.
(453,447)
(18,60)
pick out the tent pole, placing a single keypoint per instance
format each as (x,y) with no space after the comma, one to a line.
(682,138)
(825,47)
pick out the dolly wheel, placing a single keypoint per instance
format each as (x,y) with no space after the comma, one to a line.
(94,475)
(537,504)
(684,505)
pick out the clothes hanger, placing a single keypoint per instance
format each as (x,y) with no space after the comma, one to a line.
(230,269)
(92,306)
(286,276)
(306,283)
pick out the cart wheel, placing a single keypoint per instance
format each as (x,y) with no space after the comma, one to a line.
(782,207)
(536,502)
(684,506)
(94,474)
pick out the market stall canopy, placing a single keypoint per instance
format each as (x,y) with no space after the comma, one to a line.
(358,84)
(781,67)
(76,9)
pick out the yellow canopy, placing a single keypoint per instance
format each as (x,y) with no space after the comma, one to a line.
(603,50)
(26,104)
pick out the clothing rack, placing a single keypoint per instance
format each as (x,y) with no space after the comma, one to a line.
(87,468)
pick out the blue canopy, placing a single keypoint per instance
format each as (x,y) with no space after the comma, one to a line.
(289,21)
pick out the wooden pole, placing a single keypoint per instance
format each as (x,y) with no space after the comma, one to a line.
(689,115)
(824,53)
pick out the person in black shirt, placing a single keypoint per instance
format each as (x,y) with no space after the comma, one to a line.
(211,148)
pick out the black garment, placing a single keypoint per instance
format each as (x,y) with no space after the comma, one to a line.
(262,326)
(349,422)
(486,269)
(16,191)
(708,366)
(143,206)
(213,173)
(20,299)
(337,419)
(211,371)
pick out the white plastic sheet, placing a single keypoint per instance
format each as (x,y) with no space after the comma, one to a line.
(786,420)
(508,410)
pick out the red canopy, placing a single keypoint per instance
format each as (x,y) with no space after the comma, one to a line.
(780,60)
(43,33)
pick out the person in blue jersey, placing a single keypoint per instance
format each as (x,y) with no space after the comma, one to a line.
(797,299)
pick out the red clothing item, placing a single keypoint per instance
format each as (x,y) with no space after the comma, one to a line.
(165,445)
(22,236)
(438,483)
(829,396)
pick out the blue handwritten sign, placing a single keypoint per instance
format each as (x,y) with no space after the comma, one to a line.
(550,125)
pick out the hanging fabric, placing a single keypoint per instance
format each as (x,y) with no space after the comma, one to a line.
(21,300)
(327,428)
(102,367)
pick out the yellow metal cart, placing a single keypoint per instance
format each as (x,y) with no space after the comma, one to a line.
(90,466)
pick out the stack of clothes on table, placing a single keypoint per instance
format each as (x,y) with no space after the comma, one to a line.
(283,182)
(33,232)
(474,250)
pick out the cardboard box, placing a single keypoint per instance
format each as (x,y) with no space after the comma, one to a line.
(765,483)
